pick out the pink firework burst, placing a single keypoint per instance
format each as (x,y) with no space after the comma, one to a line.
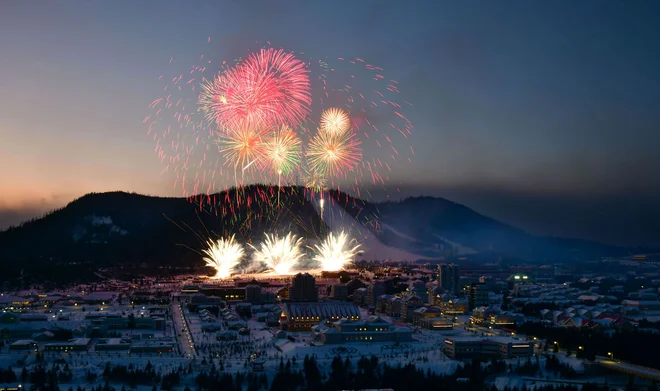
(271,87)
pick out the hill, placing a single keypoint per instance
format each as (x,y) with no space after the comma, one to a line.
(130,230)
(436,227)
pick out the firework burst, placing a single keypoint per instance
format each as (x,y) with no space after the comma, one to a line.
(314,180)
(333,154)
(282,151)
(336,251)
(279,254)
(223,255)
(192,124)
(335,121)
(243,145)
(270,87)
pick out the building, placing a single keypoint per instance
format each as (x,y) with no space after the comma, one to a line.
(408,306)
(161,345)
(112,322)
(360,296)
(9,317)
(253,293)
(303,288)
(418,288)
(642,305)
(376,289)
(198,300)
(459,348)
(116,344)
(393,307)
(434,295)
(9,301)
(477,296)
(449,278)
(303,316)
(78,344)
(226,335)
(339,292)
(483,314)
(23,344)
(355,284)
(381,302)
(283,292)
(372,329)
(224,292)
(425,313)
(435,324)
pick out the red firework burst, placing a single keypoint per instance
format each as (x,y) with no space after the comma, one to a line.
(270,87)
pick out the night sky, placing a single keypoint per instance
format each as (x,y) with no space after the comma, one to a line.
(545,115)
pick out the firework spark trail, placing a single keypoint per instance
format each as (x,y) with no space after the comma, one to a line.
(223,255)
(280,255)
(336,251)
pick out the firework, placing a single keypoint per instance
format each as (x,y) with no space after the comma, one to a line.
(333,154)
(193,124)
(282,151)
(314,180)
(243,145)
(223,255)
(336,251)
(270,87)
(335,121)
(279,254)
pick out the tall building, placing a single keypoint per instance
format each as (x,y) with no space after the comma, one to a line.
(303,288)
(449,278)
(339,292)
(375,290)
(477,296)
(253,294)
(408,306)
(418,288)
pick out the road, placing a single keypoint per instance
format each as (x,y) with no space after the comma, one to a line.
(631,369)
(182,331)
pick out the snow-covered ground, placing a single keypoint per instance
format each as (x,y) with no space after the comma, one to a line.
(338,219)
(460,249)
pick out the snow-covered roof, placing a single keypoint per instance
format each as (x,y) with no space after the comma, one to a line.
(325,310)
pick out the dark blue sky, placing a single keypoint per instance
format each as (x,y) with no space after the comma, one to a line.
(542,114)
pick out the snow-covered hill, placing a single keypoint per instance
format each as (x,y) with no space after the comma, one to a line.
(373,249)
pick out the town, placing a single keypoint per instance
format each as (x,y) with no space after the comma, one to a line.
(520,325)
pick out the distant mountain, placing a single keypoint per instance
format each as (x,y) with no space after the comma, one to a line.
(436,227)
(130,229)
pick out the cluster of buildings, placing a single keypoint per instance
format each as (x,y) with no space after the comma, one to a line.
(138,343)
(36,300)
(56,324)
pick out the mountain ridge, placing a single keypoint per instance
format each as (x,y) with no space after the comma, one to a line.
(119,228)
